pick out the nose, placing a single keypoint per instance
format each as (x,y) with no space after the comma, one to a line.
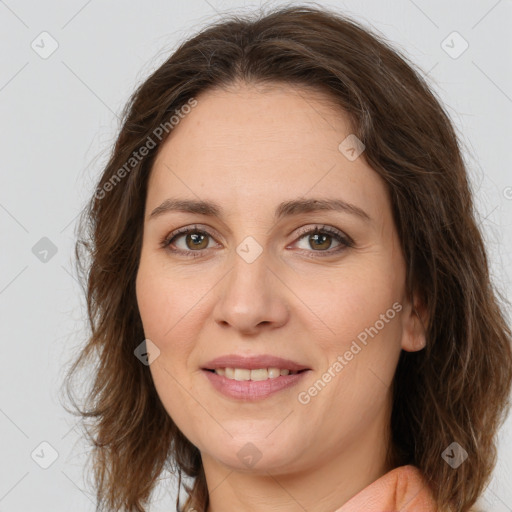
(251,298)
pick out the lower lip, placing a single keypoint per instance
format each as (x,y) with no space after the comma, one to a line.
(252,389)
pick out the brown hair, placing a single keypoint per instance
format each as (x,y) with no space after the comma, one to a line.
(456,389)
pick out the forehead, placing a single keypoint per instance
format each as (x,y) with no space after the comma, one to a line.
(264,119)
(271,142)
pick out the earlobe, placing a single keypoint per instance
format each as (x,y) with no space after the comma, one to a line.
(415,324)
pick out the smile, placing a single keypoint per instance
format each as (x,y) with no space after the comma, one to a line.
(238,383)
(258,374)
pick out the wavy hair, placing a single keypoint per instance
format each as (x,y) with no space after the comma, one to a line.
(456,389)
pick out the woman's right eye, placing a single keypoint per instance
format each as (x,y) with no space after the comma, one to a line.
(187,240)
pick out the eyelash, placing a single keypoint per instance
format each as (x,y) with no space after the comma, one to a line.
(344,240)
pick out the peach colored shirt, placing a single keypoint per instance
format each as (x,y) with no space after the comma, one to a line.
(402,489)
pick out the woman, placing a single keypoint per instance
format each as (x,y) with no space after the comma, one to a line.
(287,289)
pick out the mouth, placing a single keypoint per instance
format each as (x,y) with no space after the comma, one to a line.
(253,377)
(257,374)
(248,385)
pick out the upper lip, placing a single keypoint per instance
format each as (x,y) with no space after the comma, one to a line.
(253,363)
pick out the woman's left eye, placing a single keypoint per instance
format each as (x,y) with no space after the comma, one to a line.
(195,240)
(321,238)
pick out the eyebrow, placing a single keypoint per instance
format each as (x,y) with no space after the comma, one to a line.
(285,209)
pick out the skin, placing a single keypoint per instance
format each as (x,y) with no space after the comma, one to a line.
(248,148)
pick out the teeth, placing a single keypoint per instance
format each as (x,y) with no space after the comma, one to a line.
(259,374)
(242,374)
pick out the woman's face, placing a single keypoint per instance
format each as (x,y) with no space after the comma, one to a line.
(252,279)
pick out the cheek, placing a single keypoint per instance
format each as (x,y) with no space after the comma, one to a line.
(345,302)
(358,312)
(167,301)
(172,309)
(163,309)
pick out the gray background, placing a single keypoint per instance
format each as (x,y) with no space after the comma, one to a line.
(58,120)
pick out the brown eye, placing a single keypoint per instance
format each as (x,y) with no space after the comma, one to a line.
(187,241)
(320,241)
(196,240)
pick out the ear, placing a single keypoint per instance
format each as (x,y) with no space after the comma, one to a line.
(414,325)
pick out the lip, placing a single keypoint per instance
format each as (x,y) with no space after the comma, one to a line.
(249,389)
(253,363)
